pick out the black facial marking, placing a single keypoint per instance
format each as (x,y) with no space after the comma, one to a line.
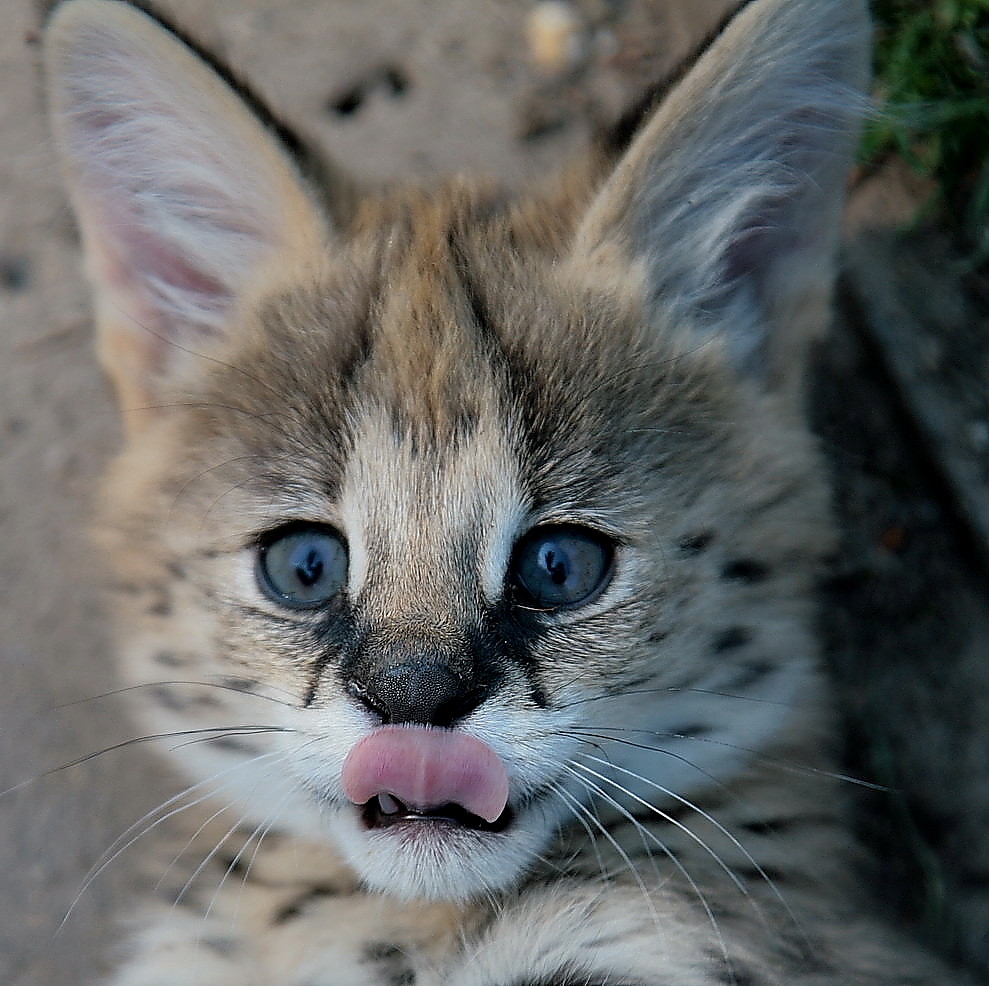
(336,638)
(235,865)
(732,639)
(745,570)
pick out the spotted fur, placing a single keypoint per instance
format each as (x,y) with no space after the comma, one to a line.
(433,376)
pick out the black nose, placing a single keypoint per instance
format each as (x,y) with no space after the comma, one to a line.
(419,691)
(413,683)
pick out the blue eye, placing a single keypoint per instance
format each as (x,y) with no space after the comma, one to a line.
(561,565)
(302,567)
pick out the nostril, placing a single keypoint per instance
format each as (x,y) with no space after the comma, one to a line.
(364,695)
(426,693)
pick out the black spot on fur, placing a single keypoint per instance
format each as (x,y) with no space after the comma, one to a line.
(234,865)
(168,659)
(738,975)
(768,874)
(239,684)
(233,744)
(732,639)
(160,607)
(750,673)
(167,699)
(393,960)
(15,273)
(294,908)
(694,544)
(692,730)
(745,570)
(767,827)
(222,946)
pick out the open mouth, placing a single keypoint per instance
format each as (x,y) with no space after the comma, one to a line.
(384,811)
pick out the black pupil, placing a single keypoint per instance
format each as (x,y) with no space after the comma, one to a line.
(556,564)
(308,565)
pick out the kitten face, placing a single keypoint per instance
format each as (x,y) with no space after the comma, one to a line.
(432,485)
(461,521)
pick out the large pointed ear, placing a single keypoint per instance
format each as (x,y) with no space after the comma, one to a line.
(185,200)
(725,211)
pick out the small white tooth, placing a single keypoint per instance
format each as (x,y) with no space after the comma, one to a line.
(388,804)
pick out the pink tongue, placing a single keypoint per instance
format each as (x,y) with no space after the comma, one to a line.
(427,768)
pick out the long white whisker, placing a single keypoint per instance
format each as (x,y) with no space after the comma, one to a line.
(223,809)
(288,700)
(681,869)
(756,755)
(282,756)
(586,733)
(578,810)
(124,841)
(213,732)
(707,816)
(582,810)
(261,832)
(676,823)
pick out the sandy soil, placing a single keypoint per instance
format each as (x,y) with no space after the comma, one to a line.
(395,89)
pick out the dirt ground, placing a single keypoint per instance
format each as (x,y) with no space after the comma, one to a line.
(398,89)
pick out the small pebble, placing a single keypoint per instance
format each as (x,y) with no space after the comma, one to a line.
(556,35)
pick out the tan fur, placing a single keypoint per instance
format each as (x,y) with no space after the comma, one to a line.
(434,376)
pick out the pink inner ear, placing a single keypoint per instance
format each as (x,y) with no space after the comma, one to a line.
(142,262)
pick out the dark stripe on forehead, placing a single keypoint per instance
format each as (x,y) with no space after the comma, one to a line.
(477,305)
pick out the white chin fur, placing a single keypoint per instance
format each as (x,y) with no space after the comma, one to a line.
(438,862)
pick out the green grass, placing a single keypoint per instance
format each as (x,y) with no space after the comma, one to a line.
(932,68)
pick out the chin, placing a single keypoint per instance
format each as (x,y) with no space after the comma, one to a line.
(436,857)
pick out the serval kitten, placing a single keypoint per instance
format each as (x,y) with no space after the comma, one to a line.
(469,540)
